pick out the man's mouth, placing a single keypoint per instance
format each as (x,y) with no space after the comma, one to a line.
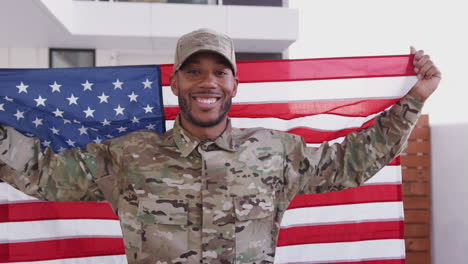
(208,99)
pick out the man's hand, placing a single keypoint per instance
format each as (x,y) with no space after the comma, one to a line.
(428,76)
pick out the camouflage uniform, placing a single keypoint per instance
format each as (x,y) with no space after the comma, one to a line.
(184,201)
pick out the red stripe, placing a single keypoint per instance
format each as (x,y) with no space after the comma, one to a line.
(316,136)
(17,212)
(395,162)
(378,261)
(381,261)
(361,194)
(59,249)
(317,69)
(290,110)
(340,233)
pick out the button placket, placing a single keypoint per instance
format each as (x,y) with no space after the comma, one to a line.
(218,240)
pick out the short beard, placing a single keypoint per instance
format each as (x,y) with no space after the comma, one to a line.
(184,109)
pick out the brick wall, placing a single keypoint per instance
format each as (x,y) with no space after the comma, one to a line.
(416,164)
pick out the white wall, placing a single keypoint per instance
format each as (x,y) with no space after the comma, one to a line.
(449,193)
(24,58)
(335,28)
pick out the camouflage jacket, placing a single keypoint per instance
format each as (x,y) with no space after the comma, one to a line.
(184,201)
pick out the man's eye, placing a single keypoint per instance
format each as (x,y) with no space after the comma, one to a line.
(193,71)
(221,73)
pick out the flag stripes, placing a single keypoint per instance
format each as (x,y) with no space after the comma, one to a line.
(59,249)
(58,229)
(343,252)
(341,233)
(35,211)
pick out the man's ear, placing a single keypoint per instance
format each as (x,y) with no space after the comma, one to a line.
(236,83)
(173,82)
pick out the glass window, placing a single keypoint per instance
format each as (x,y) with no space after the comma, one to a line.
(240,56)
(254,2)
(66,58)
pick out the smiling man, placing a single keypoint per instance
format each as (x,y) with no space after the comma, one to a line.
(205,192)
(205,85)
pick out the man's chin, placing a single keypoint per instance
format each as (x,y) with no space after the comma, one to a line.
(207,122)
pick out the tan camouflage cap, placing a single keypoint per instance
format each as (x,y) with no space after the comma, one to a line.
(204,40)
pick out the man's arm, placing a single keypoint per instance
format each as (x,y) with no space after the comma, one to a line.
(364,152)
(68,176)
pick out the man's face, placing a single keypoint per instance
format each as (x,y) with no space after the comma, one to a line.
(205,85)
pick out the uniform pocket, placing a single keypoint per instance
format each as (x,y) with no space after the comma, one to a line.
(254,228)
(164,232)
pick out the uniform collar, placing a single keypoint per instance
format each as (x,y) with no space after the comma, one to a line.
(186,142)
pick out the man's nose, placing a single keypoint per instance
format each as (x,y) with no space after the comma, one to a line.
(208,81)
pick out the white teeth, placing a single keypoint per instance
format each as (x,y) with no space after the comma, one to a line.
(206,100)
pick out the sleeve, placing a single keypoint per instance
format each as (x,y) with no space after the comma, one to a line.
(350,163)
(72,175)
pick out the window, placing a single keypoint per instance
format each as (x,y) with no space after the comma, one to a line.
(240,56)
(66,58)
(200,2)
(254,2)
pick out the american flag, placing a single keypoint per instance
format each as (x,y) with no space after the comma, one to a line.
(319,99)
(71,107)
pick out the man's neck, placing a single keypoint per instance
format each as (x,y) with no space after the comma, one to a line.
(204,133)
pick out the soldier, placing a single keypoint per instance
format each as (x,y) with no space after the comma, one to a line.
(205,192)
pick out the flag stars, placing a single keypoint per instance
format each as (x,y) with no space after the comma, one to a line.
(46,143)
(122,129)
(71,143)
(61,149)
(19,115)
(148,109)
(150,127)
(8,99)
(40,101)
(83,130)
(66,121)
(119,110)
(135,120)
(55,131)
(133,97)
(105,122)
(55,87)
(97,141)
(58,113)
(1,107)
(117,84)
(37,122)
(89,112)
(147,84)
(72,100)
(22,88)
(103,98)
(87,86)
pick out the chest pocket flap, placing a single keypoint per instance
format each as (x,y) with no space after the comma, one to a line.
(256,206)
(163,211)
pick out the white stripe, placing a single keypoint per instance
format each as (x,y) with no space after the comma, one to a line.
(326,122)
(348,213)
(341,252)
(336,89)
(331,142)
(116,259)
(10,194)
(58,229)
(387,175)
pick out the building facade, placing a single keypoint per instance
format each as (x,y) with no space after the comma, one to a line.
(72,33)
